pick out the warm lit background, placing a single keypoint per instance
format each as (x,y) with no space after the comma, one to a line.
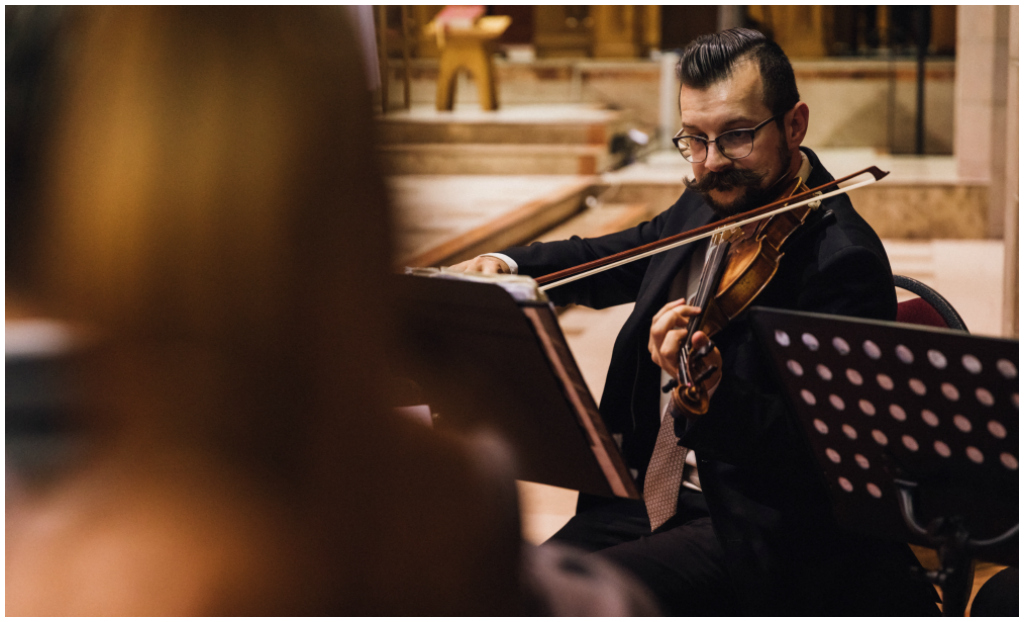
(586,102)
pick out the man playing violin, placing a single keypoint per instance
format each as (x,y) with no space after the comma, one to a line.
(748,528)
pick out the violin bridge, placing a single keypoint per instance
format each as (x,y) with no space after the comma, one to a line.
(728,235)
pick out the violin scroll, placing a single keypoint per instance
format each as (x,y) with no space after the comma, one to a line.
(701,371)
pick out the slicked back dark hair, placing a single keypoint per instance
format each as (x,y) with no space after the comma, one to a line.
(711,58)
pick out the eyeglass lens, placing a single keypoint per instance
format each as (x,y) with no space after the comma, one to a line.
(733,145)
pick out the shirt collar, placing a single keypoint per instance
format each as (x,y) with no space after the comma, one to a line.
(805,168)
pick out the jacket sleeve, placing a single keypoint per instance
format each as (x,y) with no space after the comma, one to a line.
(614,287)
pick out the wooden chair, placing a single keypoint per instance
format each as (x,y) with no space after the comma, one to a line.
(468,46)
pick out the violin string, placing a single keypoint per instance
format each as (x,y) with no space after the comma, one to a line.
(696,238)
(698,301)
(719,250)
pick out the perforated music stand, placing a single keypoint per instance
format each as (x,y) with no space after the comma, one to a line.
(915,430)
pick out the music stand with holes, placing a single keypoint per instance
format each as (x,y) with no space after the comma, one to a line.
(915,430)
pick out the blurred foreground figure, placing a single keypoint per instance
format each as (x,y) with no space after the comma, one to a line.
(197,234)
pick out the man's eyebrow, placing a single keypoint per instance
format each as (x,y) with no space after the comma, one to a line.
(739,123)
(742,123)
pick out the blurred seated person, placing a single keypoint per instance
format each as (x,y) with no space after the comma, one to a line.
(198,238)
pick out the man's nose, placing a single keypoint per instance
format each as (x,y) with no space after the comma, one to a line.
(716,161)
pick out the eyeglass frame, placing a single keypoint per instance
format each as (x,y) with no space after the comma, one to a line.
(707,143)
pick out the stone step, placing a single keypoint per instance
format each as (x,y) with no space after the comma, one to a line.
(598,221)
(498,159)
(442,220)
(564,124)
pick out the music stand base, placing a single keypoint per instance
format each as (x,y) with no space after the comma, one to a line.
(955,576)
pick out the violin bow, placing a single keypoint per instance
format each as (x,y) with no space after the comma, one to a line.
(562,277)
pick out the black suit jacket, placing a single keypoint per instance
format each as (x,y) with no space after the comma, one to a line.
(767,502)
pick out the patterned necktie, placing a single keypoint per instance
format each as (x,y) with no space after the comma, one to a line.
(665,471)
(661,485)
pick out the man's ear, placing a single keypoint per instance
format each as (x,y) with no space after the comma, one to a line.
(796,125)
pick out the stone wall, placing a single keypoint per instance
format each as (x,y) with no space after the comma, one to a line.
(873,104)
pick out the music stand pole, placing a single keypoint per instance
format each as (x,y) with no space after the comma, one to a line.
(951,539)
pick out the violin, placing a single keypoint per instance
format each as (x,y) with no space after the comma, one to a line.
(742,262)
(745,253)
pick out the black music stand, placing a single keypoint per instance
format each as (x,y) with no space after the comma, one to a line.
(486,352)
(915,430)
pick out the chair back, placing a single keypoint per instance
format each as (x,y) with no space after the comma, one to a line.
(930,309)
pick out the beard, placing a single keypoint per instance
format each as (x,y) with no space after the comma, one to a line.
(756,195)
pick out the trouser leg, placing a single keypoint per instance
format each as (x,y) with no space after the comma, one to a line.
(682,563)
(684,567)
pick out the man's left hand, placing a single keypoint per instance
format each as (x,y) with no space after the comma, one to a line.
(668,333)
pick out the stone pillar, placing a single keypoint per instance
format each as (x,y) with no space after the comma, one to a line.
(979,141)
(997,193)
(986,126)
(668,100)
(1011,232)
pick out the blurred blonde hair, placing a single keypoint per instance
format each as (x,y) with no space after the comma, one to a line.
(209,209)
(216,210)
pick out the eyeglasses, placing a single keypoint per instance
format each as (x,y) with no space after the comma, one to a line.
(734,144)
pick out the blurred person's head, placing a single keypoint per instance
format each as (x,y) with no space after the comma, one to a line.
(198,198)
(206,205)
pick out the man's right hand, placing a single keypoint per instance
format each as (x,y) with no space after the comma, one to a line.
(488,265)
